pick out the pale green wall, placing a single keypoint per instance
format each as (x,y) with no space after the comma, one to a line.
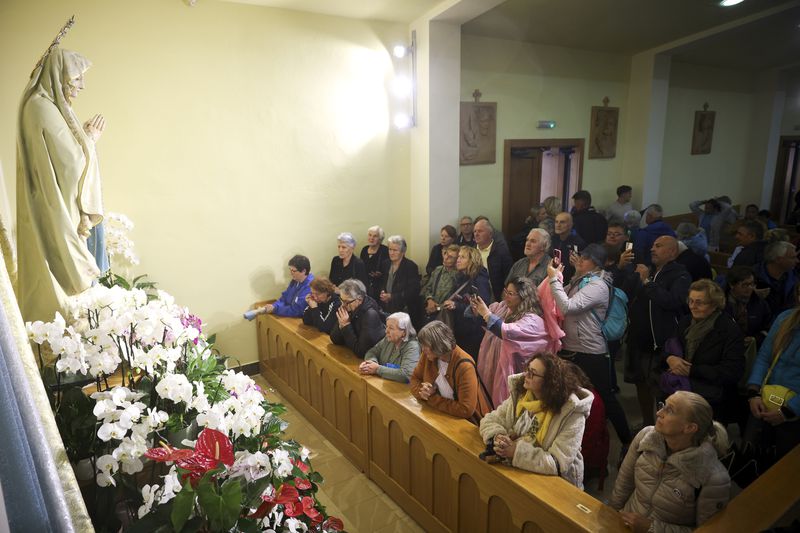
(531,83)
(237,136)
(687,177)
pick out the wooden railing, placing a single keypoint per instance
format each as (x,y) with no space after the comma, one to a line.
(425,460)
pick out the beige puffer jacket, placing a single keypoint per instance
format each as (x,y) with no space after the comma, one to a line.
(560,453)
(678,492)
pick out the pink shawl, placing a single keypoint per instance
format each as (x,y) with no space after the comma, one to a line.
(551,315)
(499,358)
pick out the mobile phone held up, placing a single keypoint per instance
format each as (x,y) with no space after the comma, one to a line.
(556,256)
(628,246)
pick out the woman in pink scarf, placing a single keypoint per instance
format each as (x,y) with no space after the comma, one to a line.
(514,332)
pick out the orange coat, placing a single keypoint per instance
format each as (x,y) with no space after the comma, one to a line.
(471,402)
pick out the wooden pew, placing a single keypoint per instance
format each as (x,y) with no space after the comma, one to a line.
(427,461)
(764,502)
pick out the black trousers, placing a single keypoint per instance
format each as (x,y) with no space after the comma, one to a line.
(595,366)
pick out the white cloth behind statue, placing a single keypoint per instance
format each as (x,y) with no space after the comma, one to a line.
(58,181)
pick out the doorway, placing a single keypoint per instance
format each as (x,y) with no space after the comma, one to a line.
(785,185)
(534,169)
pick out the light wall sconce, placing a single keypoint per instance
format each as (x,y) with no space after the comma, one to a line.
(404,88)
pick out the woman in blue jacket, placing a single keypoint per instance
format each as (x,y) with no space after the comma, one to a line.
(777,363)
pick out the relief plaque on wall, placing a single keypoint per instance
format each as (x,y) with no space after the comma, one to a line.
(603,131)
(478,132)
(703,131)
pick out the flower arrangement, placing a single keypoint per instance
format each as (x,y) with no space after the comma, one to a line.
(239,476)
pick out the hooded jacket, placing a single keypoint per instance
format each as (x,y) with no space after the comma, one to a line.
(679,491)
(560,453)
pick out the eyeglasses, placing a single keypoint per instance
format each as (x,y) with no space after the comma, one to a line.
(614,234)
(507,292)
(346,302)
(293,270)
(667,408)
(531,374)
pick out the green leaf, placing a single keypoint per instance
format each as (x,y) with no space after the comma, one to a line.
(232,502)
(212,338)
(182,507)
(222,510)
(248,525)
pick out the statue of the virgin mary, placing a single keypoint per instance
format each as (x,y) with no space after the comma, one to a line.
(59,201)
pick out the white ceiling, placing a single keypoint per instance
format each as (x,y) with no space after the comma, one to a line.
(388,10)
(614,26)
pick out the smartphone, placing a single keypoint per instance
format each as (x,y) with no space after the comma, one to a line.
(628,246)
(557,256)
(473,290)
(575,248)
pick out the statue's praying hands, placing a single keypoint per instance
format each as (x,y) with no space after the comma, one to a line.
(94,127)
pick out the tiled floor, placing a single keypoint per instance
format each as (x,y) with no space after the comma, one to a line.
(346,491)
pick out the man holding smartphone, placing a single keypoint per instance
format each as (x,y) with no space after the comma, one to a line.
(567,242)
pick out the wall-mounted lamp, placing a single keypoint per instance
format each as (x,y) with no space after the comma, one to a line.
(405,88)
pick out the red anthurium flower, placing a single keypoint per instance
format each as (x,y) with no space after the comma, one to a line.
(333,523)
(310,510)
(302,484)
(165,453)
(216,445)
(301,465)
(286,495)
(293,509)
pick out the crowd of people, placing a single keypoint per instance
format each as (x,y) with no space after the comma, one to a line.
(512,335)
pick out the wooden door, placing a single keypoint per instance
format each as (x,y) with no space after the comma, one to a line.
(525,184)
(785,185)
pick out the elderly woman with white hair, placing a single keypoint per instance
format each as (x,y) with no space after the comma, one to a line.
(346,265)
(396,355)
(400,291)
(373,255)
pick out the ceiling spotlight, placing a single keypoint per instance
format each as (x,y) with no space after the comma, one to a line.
(399,51)
(729,3)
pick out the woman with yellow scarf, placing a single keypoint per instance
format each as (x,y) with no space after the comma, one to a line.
(540,426)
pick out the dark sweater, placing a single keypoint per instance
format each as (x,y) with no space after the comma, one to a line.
(696,265)
(354,270)
(373,266)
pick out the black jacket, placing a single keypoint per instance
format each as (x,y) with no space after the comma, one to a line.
(468,333)
(498,264)
(696,265)
(354,270)
(373,268)
(717,365)
(323,317)
(657,305)
(759,317)
(365,329)
(751,255)
(405,287)
(590,225)
(435,259)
